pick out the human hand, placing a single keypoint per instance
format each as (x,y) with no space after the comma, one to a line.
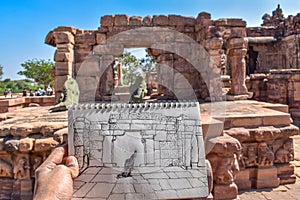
(54,178)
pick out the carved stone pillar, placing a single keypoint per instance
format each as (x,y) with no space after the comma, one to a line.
(120,75)
(238,71)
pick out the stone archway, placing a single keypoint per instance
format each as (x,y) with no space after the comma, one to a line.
(160,39)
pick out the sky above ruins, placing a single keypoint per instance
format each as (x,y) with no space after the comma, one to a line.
(25,23)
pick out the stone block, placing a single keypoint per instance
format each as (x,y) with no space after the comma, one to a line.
(70,29)
(286,173)
(26,144)
(203,15)
(107,20)
(147,21)
(51,127)
(100,38)
(109,49)
(121,20)
(11,145)
(225,191)
(177,20)
(214,43)
(63,37)
(25,129)
(63,68)
(63,56)
(65,47)
(238,32)
(5,130)
(103,29)
(61,136)
(135,21)
(59,82)
(160,20)
(266,178)
(237,43)
(230,22)
(277,120)
(242,179)
(247,122)
(45,144)
(87,38)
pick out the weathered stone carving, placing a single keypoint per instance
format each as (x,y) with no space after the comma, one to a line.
(20,169)
(285,153)
(5,169)
(69,96)
(265,155)
(226,170)
(37,161)
(251,157)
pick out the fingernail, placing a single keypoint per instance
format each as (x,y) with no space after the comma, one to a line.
(72,161)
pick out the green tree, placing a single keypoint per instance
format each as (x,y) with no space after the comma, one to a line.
(148,63)
(1,72)
(130,66)
(38,70)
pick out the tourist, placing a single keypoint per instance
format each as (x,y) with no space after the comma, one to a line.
(5,93)
(10,93)
(54,178)
(49,90)
(42,92)
(38,92)
(31,93)
(24,92)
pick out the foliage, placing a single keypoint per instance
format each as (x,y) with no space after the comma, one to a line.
(17,86)
(130,66)
(38,70)
(133,67)
(147,64)
(1,72)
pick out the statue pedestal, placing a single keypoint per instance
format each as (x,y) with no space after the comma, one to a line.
(266,177)
(225,191)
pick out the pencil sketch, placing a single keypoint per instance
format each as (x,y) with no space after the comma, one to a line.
(151,151)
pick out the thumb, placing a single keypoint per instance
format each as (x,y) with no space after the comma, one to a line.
(72,164)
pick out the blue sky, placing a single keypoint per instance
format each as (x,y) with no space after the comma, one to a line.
(24,24)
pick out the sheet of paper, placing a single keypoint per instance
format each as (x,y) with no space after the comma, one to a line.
(138,151)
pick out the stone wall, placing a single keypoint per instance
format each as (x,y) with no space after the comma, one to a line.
(279,86)
(11,104)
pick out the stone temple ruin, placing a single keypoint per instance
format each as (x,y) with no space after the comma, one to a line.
(249,144)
